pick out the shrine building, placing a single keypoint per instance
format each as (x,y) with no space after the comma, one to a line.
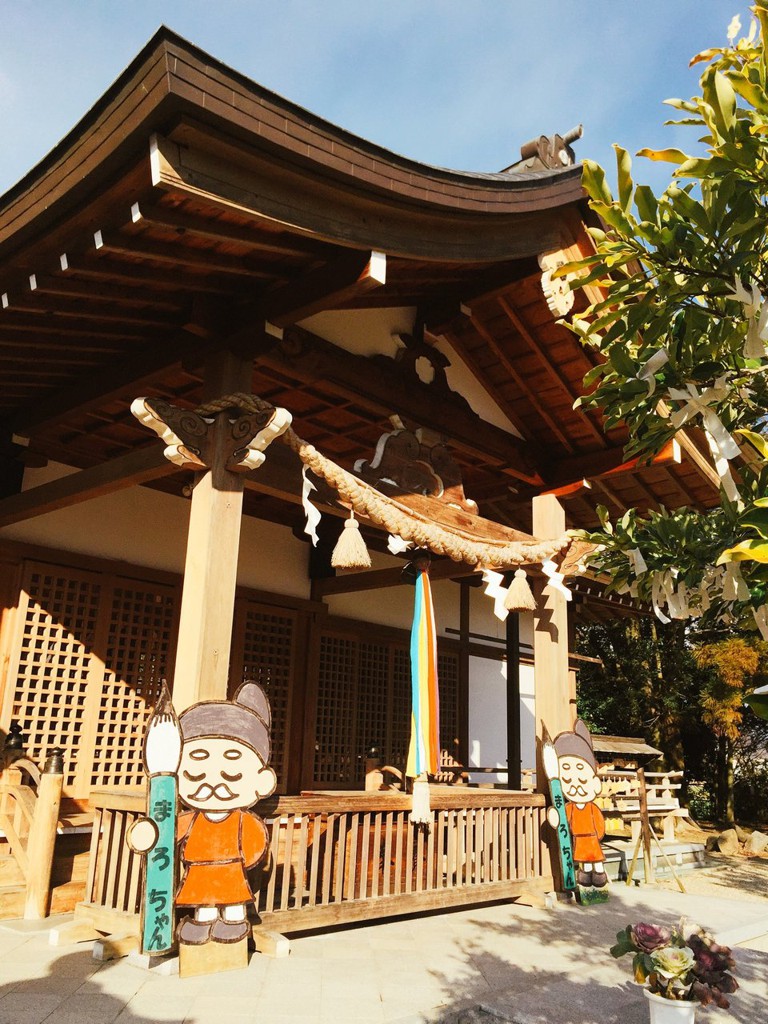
(205,245)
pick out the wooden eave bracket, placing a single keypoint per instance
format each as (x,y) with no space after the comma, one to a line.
(189,440)
(350,276)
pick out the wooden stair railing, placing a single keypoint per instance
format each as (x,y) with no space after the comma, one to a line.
(29,816)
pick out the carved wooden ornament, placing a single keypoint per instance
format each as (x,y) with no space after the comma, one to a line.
(416,462)
(188,435)
(557,290)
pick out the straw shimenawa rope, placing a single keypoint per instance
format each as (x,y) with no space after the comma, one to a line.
(390,514)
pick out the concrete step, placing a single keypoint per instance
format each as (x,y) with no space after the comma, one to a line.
(683,857)
(744,934)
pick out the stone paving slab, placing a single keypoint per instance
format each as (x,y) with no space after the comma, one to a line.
(501,962)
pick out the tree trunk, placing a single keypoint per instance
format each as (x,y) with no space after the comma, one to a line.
(728,780)
(723,782)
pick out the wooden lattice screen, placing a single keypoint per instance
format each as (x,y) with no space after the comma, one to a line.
(364,701)
(90,647)
(264,649)
(140,644)
(89,654)
(51,665)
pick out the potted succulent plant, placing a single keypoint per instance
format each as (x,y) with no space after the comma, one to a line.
(681,972)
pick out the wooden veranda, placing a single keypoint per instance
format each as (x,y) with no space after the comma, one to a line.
(195,236)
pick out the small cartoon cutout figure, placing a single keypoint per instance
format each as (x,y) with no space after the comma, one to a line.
(577,770)
(222,771)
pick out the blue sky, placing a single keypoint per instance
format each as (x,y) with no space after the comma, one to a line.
(457,83)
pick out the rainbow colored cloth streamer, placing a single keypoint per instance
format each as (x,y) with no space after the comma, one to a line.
(424,749)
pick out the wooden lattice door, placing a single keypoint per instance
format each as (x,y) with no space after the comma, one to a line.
(364,701)
(139,654)
(265,649)
(88,656)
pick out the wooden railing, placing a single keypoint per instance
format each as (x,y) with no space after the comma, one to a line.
(29,814)
(349,856)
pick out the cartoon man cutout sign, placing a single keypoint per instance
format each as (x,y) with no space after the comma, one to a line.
(577,770)
(222,772)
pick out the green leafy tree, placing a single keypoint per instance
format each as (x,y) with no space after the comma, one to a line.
(684,693)
(735,665)
(646,685)
(683,328)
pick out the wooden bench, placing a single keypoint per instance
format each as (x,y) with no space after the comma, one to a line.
(620,799)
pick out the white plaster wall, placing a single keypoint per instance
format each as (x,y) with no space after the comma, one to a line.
(149,528)
(488,717)
(366,332)
(488,695)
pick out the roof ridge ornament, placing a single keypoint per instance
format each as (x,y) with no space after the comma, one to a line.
(547,152)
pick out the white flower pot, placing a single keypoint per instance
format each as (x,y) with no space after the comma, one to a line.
(670,1011)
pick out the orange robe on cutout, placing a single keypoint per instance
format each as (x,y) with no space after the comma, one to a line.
(587,829)
(216,855)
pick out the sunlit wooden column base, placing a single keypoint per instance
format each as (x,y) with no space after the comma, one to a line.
(212,958)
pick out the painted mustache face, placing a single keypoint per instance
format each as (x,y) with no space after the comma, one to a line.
(217,775)
(206,791)
(579,781)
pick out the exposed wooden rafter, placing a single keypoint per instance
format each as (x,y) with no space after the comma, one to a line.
(92,266)
(32,307)
(112,243)
(69,287)
(133,373)
(217,230)
(349,275)
(610,462)
(525,391)
(550,367)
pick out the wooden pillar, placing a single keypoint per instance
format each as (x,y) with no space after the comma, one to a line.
(42,839)
(210,569)
(645,827)
(462,752)
(552,683)
(514,766)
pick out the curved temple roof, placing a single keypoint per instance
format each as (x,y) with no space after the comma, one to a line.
(192,211)
(172,82)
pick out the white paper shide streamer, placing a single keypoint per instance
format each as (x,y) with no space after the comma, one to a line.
(761,619)
(312,514)
(651,367)
(721,444)
(555,578)
(637,561)
(495,589)
(756,313)
(734,585)
(396,544)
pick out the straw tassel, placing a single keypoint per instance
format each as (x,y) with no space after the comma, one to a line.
(421,811)
(350,551)
(519,596)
